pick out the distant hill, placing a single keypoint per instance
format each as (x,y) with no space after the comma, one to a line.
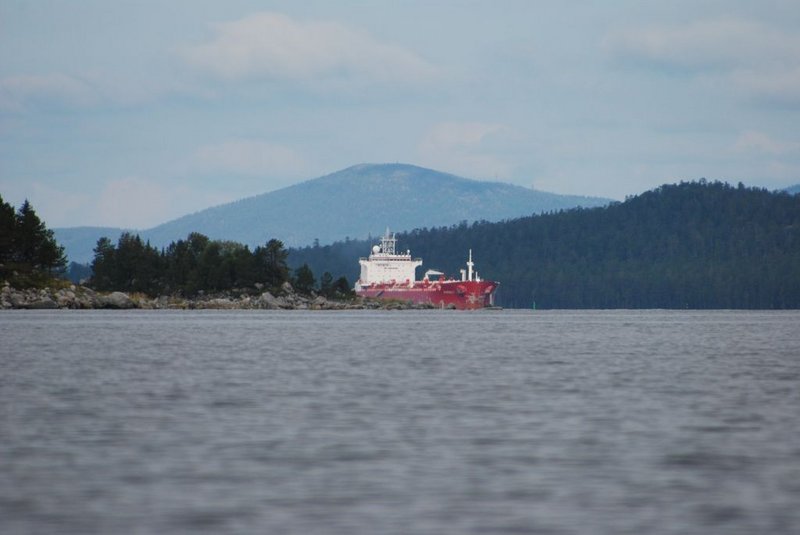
(692,245)
(79,242)
(792,190)
(352,203)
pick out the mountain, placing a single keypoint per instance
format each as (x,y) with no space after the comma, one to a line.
(79,242)
(352,203)
(690,245)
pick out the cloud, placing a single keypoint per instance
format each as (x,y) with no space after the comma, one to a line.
(128,202)
(26,92)
(699,44)
(776,85)
(133,202)
(761,61)
(461,147)
(272,46)
(22,91)
(458,135)
(725,44)
(759,142)
(54,206)
(250,157)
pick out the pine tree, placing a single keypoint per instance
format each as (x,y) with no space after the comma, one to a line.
(326,284)
(271,263)
(27,243)
(8,227)
(304,279)
(104,265)
(341,288)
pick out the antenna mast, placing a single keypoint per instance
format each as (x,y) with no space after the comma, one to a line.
(388,243)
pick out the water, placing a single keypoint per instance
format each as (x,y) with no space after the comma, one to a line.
(414,422)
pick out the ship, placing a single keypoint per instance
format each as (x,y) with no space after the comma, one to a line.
(388,274)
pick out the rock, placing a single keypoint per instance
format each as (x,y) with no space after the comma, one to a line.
(86,302)
(270,302)
(220,303)
(74,297)
(267,300)
(284,303)
(88,291)
(66,299)
(42,304)
(319,303)
(116,300)
(17,300)
(144,302)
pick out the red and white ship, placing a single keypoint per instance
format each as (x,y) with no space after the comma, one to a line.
(390,275)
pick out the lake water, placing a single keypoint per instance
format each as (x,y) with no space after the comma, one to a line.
(405,422)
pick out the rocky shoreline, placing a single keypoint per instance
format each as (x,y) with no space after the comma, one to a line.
(81,297)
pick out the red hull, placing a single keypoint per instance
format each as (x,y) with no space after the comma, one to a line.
(463,295)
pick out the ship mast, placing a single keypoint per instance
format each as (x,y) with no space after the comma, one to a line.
(470,265)
(388,243)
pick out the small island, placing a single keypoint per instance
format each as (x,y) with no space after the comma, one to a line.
(196,273)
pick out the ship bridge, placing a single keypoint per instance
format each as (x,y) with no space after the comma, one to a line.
(386,265)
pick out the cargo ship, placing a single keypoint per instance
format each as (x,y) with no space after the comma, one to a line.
(388,274)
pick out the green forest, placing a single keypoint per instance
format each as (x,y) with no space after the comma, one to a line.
(695,245)
(200,265)
(29,254)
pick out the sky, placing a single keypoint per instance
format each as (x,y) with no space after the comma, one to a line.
(129,114)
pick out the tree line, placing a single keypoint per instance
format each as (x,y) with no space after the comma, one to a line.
(689,245)
(29,254)
(693,245)
(200,265)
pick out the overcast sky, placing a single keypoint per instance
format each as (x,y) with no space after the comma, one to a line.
(133,113)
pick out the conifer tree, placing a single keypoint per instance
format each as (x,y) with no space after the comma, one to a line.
(271,260)
(26,244)
(341,288)
(304,279)
(326,284)
(103,265)
(37,246)
(8,225)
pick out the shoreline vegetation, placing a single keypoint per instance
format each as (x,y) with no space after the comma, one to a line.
(697,245)
(76,297)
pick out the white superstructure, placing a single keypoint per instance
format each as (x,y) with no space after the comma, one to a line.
(384,265)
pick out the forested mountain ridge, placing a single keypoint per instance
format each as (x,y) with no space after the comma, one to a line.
(690,245)
(350,202)
(79,242)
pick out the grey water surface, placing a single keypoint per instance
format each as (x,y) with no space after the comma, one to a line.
(404,422)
